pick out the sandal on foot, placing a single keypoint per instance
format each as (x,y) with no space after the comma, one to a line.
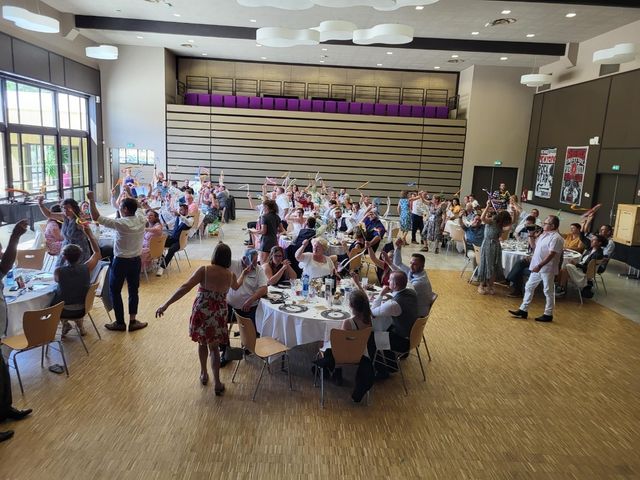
(218,391)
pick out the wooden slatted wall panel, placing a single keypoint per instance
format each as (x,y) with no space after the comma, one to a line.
(347,150)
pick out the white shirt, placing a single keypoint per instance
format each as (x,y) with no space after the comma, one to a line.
(130,233)
(417,207)
(389,309)
(548,242)
(252,282)
(282,201)
(314,268)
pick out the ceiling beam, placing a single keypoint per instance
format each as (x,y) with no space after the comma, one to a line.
(248,33)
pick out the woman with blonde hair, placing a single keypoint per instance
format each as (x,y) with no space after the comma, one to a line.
(316,264)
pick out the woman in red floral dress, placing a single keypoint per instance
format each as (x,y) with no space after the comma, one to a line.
(208,323)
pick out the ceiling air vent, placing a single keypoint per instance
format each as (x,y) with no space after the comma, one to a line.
(500,21)
(187,45)
(455,60)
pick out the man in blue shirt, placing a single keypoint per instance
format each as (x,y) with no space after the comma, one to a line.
(183,222)
(374,229)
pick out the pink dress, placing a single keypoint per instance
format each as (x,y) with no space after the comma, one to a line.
(53,237)
(146,254)
(208,322)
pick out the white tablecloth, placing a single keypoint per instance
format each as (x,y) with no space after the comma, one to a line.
(24,302)
(338,249)
(511,257)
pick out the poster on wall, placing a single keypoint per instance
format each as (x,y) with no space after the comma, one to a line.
(544,177)
(575,164)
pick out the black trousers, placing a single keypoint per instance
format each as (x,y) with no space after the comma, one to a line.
(517,274)
(364,374)
(5,389)
(173,247)
(124,269)
(398,344)
(417,224)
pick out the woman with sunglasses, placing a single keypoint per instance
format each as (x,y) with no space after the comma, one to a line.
(278,269)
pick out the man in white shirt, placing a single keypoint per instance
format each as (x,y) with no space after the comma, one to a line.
(283,202)
(544,267)
(126,262)
(417,275)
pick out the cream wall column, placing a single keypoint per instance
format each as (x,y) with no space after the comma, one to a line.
(498,111)
(133,102)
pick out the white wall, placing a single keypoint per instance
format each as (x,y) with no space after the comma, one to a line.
(133,101)
(498,111)
(585,69)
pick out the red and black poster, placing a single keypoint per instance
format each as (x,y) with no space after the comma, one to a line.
(575,165)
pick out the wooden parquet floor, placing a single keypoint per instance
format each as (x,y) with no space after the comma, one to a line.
(504,398)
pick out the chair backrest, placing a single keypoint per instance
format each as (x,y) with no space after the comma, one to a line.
(476,250)
(102,278)
(394,233)
(91,296)
(417,331)
(247,333)
(156,246)
(31,258)
(348,346)
(184,238)
(591,269)
(457,234)
(40,326)
(357,263)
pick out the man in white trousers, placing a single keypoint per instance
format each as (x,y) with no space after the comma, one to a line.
(544,267)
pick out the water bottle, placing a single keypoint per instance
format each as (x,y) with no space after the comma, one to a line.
(328,291)
(305,285)
(10,280)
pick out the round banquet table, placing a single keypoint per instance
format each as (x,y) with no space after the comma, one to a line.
(25,300)
(511,257)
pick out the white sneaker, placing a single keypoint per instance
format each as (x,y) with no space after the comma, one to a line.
(159,272)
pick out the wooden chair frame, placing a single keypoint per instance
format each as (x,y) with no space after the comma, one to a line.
(156,251)
(31,258)
(184,240)
(88,306)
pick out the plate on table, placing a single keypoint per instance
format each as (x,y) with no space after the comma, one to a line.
(293,308)
(275,295)
(334,315)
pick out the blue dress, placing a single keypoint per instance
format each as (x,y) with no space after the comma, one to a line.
(73,234)
(405,214)
(490,253)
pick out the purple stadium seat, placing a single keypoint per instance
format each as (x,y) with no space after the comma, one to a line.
(380,109)
(229,101)
(242,102)
(317,106)
(293,104)
(442,112)
(343,107)
(191,99)
(355,108)
(216,100)
(280,103)
(267,103)
(405,110)
(204,99)
(305,105)
(367,109)
(417,111)
(255,102)
(330,106)
(392,109)
(430,111)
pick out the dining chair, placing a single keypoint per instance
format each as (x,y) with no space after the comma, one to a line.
(347,348)
(31,259)
(590,275)
(356,263)
(417,334)
(88,306)
(434,297)
(103,282)
(156,252)
(264,348)
(184,239)
(601,267)
(40,328)
(476,252)
(457,235)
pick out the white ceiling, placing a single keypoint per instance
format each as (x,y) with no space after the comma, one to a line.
(445,19)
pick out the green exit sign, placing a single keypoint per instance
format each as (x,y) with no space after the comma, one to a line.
(131,145)
(497,163)
(615,168)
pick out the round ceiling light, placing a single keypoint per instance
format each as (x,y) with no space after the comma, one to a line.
(535,79)
(388,33)
(30,21)
(621,53)
(286,37)
(102,52)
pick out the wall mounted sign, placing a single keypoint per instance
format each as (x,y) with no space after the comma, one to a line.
(575,165)
(544,177)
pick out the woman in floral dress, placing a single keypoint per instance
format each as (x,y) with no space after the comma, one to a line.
(435,223)
(491,251)
(404,211)
(208,323)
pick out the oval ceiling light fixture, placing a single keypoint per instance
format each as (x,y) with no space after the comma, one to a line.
(102,52)
(287,37)
(30,21)
(535,79)
(335,30)
(382,5)
(387,33)
(621,53)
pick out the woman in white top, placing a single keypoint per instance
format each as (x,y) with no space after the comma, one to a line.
(316,264)
(296,220)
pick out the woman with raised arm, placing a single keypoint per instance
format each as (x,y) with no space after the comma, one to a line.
(404,211)
(491,251)
(278,268)
(208,322)
(71,220)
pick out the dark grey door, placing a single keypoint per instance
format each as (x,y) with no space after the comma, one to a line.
(490,178)
(612,190)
